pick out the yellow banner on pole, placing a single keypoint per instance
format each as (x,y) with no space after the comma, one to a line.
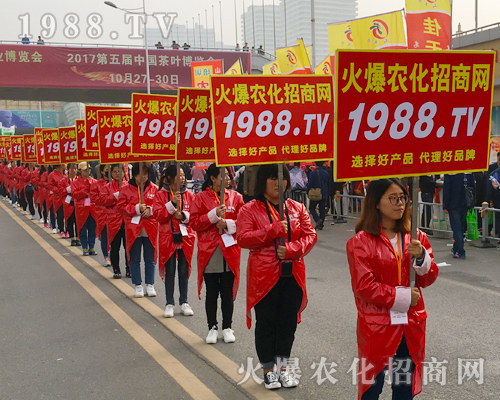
(340,37)
(235,69)
(290,60)
(271,69)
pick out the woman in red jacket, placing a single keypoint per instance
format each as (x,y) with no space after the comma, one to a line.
(69,205)
(58,196)
(141,228)
(84,209)
(101,212)
(115,222)
(391,314)
(276,275)
(218,252)
(176,239)
(42,183)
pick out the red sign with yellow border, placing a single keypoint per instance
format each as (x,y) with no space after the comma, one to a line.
(81,153)
(68,144)
(51,146)
(408,113)
(29,154)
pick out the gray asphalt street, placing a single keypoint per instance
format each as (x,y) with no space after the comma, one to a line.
(69,331)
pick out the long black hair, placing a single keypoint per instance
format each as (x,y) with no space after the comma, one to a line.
(42,169)
(270,171)
(214,171)
(169,173)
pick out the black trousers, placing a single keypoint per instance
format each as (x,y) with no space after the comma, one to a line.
(219,283)
(402,369)
(114,251)
(22,200)
(276,321)
(60,219)
(29,196)
(40,210)
(45,212)
(71,226)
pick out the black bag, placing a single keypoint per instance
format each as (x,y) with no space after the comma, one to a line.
(29,188)
(470,198)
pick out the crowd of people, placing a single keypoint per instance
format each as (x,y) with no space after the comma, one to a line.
(148,210)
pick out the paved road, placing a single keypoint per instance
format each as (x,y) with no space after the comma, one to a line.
(69,331)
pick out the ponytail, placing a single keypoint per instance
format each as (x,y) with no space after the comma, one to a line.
(169,172)
(214,171)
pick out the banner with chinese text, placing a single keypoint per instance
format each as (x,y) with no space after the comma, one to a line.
(270,119)
(153,125)
(195,137)
(407,113)
(115,134)
(3,152)
(8,148)
(91,139)
(81,153)
(51,146)
(428,24)
(17,146)
(202,70)
(29,154)
(40,159)
(68,144)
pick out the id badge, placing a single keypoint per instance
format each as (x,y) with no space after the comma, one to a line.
(228,240)
(86,202)
(68,199)
(399,318)
(135,220)
(183,229)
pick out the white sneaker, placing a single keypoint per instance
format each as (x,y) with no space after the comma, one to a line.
(271,380)
(186,310)
(228,335)
(139,291)
(287,380)
(54,231)
(41,220)
(150,291)
(212,336)
(169,311)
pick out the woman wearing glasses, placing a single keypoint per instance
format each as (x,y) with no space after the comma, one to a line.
(391,314)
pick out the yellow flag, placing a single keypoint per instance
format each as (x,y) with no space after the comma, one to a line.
(383,31)
(305,55)
(290,61)
(325,67)
(434,5)
(235,69)
(340,37)
(271,69)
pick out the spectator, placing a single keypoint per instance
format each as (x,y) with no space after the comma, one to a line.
(186,46)
(253,50)
(249,182)
(198,174)
(319,179)
(260,50)
(159,46)
(40,41)
(298,178)
(455,204)
(428,187)
(175,46)
(237,48)
(25,40)
(245,47)
(493,196)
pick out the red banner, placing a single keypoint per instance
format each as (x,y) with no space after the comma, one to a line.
(203,164)
(153,125)
(40,159)
(91,139)
(51,146)
(269,119)
(103,68)
(405,113)
(428,24)
(114,131)
(195,137)
(68,144)
(17,146)
(3,153)
(81,153)
(28,153)
(8,148)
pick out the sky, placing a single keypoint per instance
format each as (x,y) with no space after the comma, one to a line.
(16,12)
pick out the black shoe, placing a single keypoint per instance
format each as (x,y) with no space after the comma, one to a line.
(74,242)
(117,275)
(319,224)
(127,273)
(78,243)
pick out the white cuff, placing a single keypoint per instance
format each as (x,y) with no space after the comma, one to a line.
(403,299)
(137,209)
(185,220)
(422,270)
(116,194)
(68,189)
(231,226)
(170,208)
(212,216)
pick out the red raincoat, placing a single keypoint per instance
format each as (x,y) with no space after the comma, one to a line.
(64,183)
(163,211)
(57,195)
(43,183)
(80,190)
(35,180)
(128,205)
(257,234)
(100,210)
(208,234)
(374,278)
(108,200)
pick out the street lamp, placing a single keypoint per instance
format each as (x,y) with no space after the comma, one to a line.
(132,11)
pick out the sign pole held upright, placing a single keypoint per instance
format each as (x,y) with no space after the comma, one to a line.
(222,188)
(280,189)
(414,221)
